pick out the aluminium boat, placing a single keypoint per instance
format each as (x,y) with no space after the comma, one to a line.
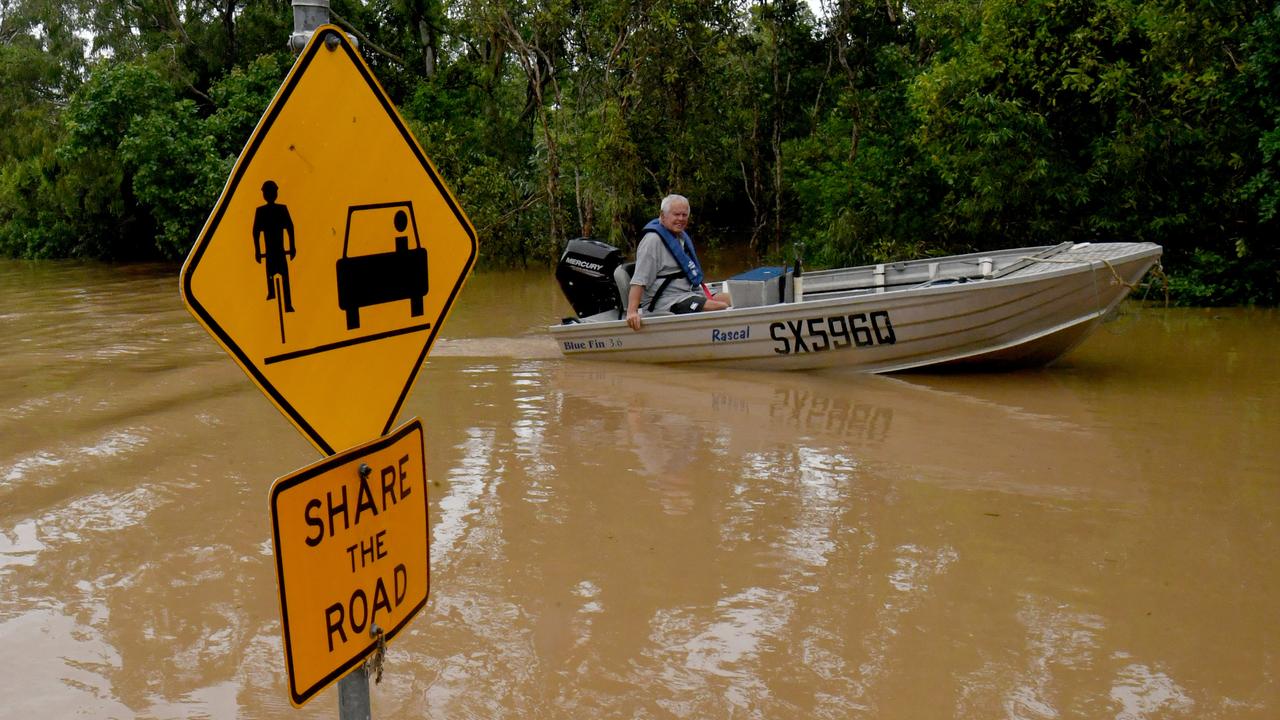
(994,310)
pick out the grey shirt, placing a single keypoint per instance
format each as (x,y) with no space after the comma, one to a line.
(653,261)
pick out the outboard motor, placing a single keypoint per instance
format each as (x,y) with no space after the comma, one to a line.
(586,276)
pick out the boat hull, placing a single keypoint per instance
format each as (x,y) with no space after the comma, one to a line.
(1029,316)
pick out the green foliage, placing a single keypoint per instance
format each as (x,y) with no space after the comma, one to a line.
(1008,122)
(879,131)
(467,120)
(30,225)
(859,190)
(35,68)
(1210,279)
(178,195)
(240,98)
(134,168)
(1262,77)
(95,182)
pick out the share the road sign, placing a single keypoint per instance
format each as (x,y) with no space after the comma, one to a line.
(334,252)
(351,551)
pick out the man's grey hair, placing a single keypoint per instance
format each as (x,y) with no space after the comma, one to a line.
(670,200)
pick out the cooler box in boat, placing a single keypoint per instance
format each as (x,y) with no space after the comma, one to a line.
(761,286)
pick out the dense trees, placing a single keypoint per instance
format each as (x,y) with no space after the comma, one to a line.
(871,130)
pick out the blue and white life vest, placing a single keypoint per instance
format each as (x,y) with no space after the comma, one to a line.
(688,261)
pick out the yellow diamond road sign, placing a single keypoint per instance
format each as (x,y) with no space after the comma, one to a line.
(334,253)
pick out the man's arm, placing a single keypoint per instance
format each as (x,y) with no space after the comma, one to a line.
(633,306)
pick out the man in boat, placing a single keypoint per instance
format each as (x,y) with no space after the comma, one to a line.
(668,276)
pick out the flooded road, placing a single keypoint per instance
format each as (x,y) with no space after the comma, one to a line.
(1097,540)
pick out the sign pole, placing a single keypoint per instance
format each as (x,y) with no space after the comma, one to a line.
(353,689)
(307,16)
(353,696)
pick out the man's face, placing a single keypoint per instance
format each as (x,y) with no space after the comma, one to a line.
(676,218)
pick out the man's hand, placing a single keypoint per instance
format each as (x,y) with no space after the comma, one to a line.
(633,319)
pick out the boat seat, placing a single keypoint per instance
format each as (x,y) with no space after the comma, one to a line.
(622,278)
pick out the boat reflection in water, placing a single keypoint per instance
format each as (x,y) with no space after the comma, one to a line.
(1006,435)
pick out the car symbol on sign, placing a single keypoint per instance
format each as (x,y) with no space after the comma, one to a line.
(373,278)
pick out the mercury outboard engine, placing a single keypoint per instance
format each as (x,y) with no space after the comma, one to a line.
(586,275)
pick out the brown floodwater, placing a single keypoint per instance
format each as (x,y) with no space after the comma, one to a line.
(1094,540)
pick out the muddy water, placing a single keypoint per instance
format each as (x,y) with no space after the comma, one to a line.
(1093,541)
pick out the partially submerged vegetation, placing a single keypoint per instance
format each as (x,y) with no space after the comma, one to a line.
(872,132)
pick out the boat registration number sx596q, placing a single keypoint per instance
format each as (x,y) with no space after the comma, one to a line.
(834,332)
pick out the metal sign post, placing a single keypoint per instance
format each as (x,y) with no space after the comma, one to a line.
(353,696)
(307,16)
(353,689)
